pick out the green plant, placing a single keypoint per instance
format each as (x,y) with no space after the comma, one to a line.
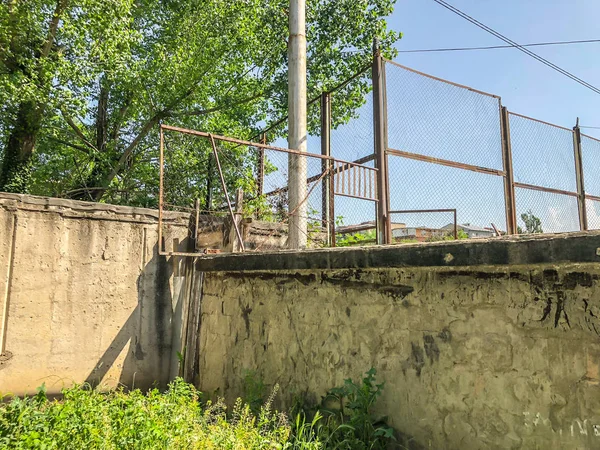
(87,418)
(533,224)
(344,419)
(254,390)
(368,237)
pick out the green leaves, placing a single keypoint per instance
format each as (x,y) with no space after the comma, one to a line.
(118,68)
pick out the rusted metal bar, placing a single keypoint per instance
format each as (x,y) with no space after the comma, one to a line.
(343,180)
(261,166)
(590,137)
(237,244)
(583,222)
(197,207)
(540,121)
(252,144)
(444,162)
(380,144)
(325,151)
(592,197)
(533,187)
(509,182)
(455,225)
(331,223)
(161,187)
(343,194)
(216,154)
(415,211)
(441,79)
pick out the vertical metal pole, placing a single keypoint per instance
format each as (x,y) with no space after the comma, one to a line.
(583,223)
(297,135)
(161,188)
(379,128)
(455,225)
(509,182)
(325,163)
(331,203)
(239,200)
(197,208)
(261,166)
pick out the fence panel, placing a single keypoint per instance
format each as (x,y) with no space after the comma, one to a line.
(450,144)
(542,154)
(432,117)
(545,175)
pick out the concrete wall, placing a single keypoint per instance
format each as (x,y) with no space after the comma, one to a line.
(482,345)
(84,296)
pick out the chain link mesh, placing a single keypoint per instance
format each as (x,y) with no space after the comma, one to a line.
(590,153)
(556,213)
(435,118)
(426,226)
(452,143)
(593,214)
(542,154)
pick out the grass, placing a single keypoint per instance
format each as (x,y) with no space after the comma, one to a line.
(86,418)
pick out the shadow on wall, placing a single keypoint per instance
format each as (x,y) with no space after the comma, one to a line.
(140,355)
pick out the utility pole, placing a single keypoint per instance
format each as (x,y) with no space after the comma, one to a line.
(297,125)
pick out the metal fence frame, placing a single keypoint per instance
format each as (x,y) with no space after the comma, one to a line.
(507,173)
(335,181)
(333,176)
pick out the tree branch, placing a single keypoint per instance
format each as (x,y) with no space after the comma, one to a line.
(70,144)
(203,112)
(78,131)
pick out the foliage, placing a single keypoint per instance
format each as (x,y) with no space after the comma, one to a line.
(533,224)
(83,86)
(90,419)
(368,237)
(349,421)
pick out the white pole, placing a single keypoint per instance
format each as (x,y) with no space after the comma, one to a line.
(297,124)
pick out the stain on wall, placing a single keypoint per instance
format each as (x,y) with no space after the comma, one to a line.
(472,357)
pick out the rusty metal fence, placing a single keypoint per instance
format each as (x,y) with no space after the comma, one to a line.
(237,182)
(418,158)
(452,146)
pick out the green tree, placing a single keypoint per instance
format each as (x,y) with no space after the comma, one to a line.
(532,223)
(115,69)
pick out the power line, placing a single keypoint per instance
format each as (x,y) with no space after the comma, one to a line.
(491,47)
(517,46)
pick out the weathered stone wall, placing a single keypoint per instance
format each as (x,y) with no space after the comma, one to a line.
(491,355)
(84,295)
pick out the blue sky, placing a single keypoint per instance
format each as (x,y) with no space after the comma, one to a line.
(431,118)
(525,85)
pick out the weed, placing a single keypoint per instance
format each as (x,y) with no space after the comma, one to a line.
(87,418)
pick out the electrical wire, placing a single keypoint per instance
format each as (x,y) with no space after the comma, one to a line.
(517,46)
(492,47)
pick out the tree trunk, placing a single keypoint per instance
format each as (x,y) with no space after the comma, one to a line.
(15,174)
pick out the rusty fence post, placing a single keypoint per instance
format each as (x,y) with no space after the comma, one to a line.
(261,166)
(326,164)
(380,142)
(583,223)
(509,181)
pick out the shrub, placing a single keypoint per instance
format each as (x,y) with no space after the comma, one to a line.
(86,418)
